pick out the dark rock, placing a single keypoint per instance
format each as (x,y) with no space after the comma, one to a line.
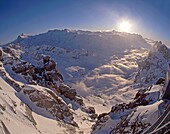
(160,81)
(71,93)
(1,55)
(63,88)
(50,102)
(74,124)
(43,103)
(102,115)
(67,91)
(19,69)
(38,70)
(91,110)
(79,100)
(46,59)
(50,66)
(31,71)
(52,76)
(24,73)
(28,91)
(7,50)
(60,76)
(93,116)
(34,77)
(33,98)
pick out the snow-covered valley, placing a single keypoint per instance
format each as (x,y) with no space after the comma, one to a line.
(73,81)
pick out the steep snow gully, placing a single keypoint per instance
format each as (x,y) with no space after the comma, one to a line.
(74,81)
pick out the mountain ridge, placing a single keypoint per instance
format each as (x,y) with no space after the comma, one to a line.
(79,78)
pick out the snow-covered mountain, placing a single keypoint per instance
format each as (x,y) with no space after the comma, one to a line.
(137,114)
(154,66)
(80,53)
(78,81)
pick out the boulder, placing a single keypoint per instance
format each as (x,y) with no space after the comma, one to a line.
(38,70)
(52,76)
(93,116)
(19,69)
(91,110)
(63,88)
(67,91)
(71,93)
(46,59)
(102,116)
(7,50)
(50,66)
(79,100)
(160,81)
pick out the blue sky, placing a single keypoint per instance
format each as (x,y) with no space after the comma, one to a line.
(150,18)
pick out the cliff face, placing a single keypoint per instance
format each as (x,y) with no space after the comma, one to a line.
(154,66)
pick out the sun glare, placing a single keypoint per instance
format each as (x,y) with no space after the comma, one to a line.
(125,26)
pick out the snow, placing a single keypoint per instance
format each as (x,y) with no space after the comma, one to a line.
(15,123)
(101,66)
(152,112)
(15,118)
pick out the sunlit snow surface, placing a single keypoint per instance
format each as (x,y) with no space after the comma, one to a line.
(101,66)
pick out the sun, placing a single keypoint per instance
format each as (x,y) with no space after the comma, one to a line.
(125,26)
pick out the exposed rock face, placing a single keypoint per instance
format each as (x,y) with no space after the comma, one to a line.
(50,66)
(49,101)
(45,75)
(46,59)
(160,81)
(1,55)
(154,66)
(127,125)
(102,116)
(19,69)
(91,110)
(67,91)
(131,119)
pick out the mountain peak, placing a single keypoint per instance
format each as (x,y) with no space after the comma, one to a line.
(22,36)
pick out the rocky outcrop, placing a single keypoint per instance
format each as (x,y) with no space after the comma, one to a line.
(154,66)
(45,75)
(127,125)
(67,91)
(1,55)
(130,119)
(48,72)
(160,81)
(49,66)
(47,100)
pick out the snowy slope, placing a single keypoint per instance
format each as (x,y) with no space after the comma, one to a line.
(82,48)
(16,117)
(145,106)
(68,81)
(154,66)
(33,112)
(81,54)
